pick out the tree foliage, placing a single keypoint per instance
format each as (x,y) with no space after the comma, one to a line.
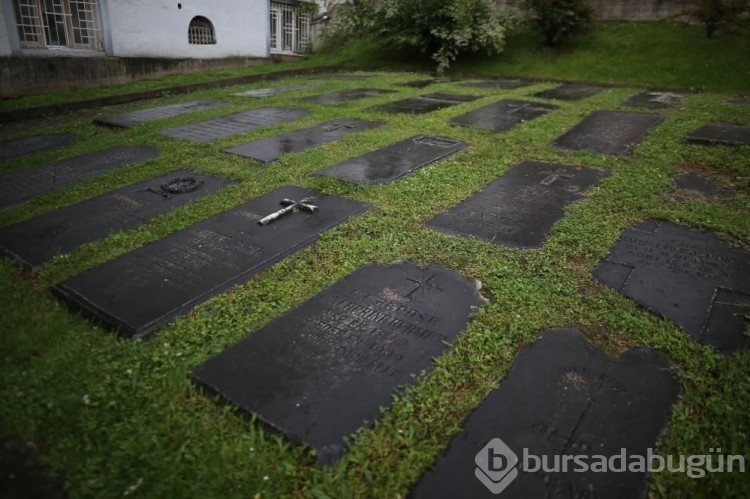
(719,13)
(558,20)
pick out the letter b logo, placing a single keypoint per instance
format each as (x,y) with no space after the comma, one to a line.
(496,466)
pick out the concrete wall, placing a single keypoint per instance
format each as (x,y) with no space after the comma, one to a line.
(5,47)
(628,10)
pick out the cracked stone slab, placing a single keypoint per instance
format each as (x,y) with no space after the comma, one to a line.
(34,242)
(520,208)
(322,370)
(718,133)
(271,148)
(22,185)
(503,115)
(157,113)
(569,92)
(654,100)
(141,291)
(609,132)
(343,96)
(561,397)
(689,276)
(396,160)
(424,104)
(234,124)
(33,144)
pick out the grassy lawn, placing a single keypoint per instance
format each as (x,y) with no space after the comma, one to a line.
(116,418)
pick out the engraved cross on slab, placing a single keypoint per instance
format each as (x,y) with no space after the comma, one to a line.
(336,126)
(551,177)
(290,206)
(664,97)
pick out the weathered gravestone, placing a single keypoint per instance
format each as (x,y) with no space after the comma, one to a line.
(609,132)
(396,160)
(219,128)
(569,91)
(697,185)
(317,373)
(335,98)
(34,242)
(22,185)
(654,100)
(687,275)
(561,398)
(424,104)
(33,144)
(273,91)
(506,84)
(504,115)
(269,149)
(717,133)
(157,113)
(421,83)
(519,208)
(341,76)
(139,292)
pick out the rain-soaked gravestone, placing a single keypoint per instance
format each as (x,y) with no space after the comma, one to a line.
(503,83)
(34,242)
(157,113)
(219,128)
(420,83)
(320,371)
(424,104)
(519,208)
(609,132)
(273,91)
(269,149)
(654,100)
(697,185)
(139,292)
(569,91)
(562,398)
(718,133)
(396,160)
(19,186)
(504,115)
(341,76)
(33,144)
(690,276)
(342,96)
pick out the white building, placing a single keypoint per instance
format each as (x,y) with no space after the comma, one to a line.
(155,28)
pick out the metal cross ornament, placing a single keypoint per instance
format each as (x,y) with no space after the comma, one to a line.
(290,206)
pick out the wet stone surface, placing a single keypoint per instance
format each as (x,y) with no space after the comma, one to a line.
(318,372)
(33,144)
(504,115)
(654,100)
(157,113)
(424,104)
(569,92)
(506,84)
(717,133)
(335,98)
(609,132)
(689,276)
(141,291)
(561,397)
(274,91)
(701,185)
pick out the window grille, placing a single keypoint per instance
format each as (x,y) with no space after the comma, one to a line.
(290,29)
(72,24)
(201,31)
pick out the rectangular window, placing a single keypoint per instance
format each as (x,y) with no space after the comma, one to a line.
(72,24)
(290,29)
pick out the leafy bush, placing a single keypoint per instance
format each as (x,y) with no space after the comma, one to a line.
(716,13)
(558,20)
(443,29)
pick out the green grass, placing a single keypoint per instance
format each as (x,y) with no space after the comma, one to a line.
(116,417)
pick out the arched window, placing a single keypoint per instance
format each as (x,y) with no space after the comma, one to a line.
(201,31)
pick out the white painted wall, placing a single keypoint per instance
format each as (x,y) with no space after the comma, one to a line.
(157,28)
(5,48)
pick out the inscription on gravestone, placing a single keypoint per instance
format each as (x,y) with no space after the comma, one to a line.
(269,149)
(609,132)
(423,104)
(139,292)
(22,185)
(562,397)
(569,92)
(320,371)
(519,208)
(157,113)
(33,144)
(654,100)
(396,160)
(504,115)
(717,133)
(687,275)
(219,128)
(335,98)
(506,84)
(34,242)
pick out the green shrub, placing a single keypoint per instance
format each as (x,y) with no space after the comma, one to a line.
(715,13)
(558,20)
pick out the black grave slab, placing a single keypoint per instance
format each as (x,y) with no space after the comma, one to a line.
(520,208)
(562,397)
(420,83)
(335,98)
(569,92)
(689,276)
(654,100)
(219,128)
(19,186)
(269,149)
(396,160)
(609,132)
(341,76)
(505,84)
(320,371)
(504,115)
(157,113)
(273,91)
(424,104)
(141,291)
(34,242)
(33,144)
(701,185)
(717,133)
